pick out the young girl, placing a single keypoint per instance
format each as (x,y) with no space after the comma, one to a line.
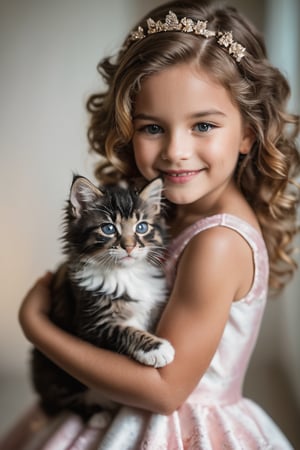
(191,98)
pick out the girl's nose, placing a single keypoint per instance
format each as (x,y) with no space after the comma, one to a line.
(176,149)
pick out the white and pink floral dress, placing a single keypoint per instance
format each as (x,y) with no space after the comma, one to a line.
(214,417)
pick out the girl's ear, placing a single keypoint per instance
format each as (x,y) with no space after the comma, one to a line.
(247,140)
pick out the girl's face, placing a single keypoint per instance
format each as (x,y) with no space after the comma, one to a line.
(187,130)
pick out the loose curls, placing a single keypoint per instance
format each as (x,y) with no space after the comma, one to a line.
(266,175)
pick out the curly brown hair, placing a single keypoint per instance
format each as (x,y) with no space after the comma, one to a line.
(267,175)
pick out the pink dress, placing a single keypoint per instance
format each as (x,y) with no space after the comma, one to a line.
(214,417)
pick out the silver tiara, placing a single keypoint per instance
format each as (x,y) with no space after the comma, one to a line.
(186,25)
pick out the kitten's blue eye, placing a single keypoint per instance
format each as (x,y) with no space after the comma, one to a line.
(142,227)
(108,228)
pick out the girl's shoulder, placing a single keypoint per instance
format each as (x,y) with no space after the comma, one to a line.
(224,240)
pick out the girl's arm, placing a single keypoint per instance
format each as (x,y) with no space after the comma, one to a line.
(193,322)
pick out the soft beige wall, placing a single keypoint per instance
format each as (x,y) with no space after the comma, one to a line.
(48,56)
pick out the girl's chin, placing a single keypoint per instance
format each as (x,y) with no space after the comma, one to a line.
(179,198)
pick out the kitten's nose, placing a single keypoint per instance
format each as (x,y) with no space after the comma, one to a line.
(129,248)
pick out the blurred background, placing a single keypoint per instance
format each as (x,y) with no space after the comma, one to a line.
(48,56)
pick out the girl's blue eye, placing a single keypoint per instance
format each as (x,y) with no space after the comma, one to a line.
(142,228)
(203,127)
(108,228)
(152,129)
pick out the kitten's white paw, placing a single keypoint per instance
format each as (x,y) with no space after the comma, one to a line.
(100,420)
(159,357)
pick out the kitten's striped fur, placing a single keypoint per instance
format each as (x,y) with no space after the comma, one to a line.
(111,289)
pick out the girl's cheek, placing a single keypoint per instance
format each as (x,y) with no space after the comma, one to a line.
(140,154)
(144,166)
(145,155)
(141,164)
(139,160)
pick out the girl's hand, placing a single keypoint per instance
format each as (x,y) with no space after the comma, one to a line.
(36,303)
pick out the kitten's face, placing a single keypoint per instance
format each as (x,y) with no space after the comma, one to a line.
(118,240)
(116,226)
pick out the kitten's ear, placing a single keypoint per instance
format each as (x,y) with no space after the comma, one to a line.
(152,194)
(83,193)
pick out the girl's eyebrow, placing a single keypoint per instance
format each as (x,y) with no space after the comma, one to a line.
(142,116)
(196,115)
(209,112)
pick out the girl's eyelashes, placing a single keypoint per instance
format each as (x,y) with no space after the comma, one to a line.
(203,127)
(151,129)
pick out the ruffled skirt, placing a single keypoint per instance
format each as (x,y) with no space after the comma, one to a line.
(239,426)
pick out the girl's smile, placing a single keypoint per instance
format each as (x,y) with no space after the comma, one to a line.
(187,130)
(179,176)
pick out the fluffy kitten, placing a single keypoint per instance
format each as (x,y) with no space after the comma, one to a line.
(111,290)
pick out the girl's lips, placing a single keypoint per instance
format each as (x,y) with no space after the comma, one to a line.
(180,176)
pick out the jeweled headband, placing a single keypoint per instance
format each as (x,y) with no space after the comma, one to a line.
(187,25)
